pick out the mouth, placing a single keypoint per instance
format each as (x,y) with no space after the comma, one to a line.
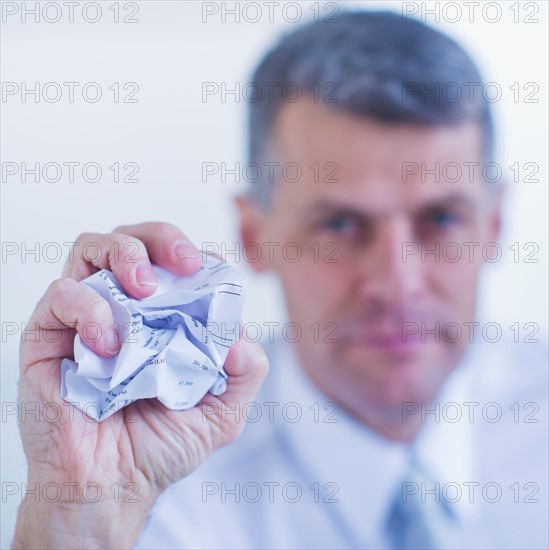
(391,343)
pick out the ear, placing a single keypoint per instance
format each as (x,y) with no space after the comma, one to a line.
(252,227)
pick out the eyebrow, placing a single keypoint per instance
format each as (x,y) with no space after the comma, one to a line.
(455,199)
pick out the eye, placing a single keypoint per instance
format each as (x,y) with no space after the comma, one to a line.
(342,225)
(438,224)
(442,219)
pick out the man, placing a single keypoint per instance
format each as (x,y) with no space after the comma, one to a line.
(346,448)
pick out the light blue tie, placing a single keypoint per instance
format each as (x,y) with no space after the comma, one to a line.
(417,521)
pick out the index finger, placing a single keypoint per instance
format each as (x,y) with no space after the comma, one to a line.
(166,245)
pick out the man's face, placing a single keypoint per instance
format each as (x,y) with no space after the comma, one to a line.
(373,303)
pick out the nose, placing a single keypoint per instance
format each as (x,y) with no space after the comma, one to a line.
(389,276)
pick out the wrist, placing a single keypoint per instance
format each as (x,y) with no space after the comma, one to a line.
(63,514)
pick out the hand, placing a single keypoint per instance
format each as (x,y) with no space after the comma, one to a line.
(145,444)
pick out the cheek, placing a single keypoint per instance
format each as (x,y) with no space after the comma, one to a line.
(455,283)
(316,290)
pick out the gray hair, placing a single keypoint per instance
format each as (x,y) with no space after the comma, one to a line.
(370,64)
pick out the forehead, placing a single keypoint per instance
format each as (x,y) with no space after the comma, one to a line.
(343,156)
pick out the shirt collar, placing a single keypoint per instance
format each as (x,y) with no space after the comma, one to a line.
(332,446)
(444,447)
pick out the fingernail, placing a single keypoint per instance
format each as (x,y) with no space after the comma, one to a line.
(144,275)
(112,347)
(182,250)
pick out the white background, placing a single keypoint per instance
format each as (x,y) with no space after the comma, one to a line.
(170,132)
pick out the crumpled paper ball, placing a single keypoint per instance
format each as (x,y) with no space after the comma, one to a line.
(173,343)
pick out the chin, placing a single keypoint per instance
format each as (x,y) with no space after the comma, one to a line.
(387,379)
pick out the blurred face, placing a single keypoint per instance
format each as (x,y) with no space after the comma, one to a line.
(379,311)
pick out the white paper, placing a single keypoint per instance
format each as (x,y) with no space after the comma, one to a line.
(174,343)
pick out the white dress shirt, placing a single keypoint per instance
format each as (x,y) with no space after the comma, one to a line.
(324,480)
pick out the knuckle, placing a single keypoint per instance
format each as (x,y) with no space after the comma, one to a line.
(96,307)
(164,230)
(82,239)
(60,289)
(87,248)
(72,296)
(122,239)
(124,248)
(121,229)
